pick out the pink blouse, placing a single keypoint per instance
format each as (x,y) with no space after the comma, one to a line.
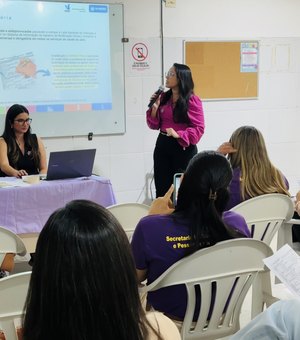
(188,133)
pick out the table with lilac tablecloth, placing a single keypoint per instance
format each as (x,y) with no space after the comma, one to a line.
(25,209)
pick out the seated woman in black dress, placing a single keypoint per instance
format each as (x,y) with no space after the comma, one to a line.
(21,152)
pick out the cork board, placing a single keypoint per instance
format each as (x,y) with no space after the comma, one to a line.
(223,69)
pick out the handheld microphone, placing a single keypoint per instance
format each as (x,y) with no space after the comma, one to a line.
(157,94)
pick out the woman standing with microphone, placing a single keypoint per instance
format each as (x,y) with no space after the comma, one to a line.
(178,114)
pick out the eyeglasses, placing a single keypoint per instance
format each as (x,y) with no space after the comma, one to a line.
(23,121)
(170,74)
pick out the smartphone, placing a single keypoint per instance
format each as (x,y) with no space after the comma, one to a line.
(176,182)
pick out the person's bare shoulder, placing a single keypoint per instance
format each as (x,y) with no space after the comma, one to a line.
(2,142)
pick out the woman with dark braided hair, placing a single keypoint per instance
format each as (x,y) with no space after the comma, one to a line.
(178,114)
(198,221)
(21,152)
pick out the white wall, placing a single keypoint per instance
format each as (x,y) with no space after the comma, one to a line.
(127,159)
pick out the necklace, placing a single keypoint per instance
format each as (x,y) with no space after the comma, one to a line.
(18,142)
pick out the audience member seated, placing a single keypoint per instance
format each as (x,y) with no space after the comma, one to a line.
(198,221)
(83,283)
(280,321)
(21,152)
(253,172)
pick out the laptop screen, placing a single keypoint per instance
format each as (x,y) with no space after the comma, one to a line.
(71,164)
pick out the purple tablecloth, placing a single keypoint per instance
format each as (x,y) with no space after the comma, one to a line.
(26,209)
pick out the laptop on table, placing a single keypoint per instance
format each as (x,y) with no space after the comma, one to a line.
(70,164)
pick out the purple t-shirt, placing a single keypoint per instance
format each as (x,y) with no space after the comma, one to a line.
(157,243)
(235,189)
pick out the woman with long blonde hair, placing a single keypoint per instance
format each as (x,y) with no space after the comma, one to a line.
(253,172)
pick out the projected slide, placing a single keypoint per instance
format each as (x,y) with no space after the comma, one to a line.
(55,56)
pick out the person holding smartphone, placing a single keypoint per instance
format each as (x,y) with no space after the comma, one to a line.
(176,182)
(178,115)
(198,221)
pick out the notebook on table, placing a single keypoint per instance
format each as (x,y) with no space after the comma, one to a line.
(70,164)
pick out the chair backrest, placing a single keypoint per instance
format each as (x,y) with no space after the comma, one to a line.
(222,274)
(10,243)
(129,214)
(265,214)
(13,292)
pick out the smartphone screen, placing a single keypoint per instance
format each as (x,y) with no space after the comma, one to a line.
(176,183)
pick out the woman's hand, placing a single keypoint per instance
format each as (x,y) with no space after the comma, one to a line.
(172,133)
(163,205)
(156,104)
(20,173)
(226,148)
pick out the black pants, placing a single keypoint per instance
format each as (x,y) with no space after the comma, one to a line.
(169,158)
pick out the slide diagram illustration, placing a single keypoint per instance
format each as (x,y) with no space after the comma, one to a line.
(54,68)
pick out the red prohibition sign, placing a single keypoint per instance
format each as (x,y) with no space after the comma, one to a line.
(139,52)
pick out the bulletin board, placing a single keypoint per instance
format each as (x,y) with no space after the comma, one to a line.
(223,69)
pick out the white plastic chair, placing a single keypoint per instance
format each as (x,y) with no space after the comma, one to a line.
(285,233)
(129,214)
(231,266)
(30,241)
(265,214)
(10,243)
(279,290)
(13,293)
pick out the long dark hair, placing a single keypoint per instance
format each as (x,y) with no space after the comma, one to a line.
(186,88)
(83,284)
(10,137)
(202,199)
